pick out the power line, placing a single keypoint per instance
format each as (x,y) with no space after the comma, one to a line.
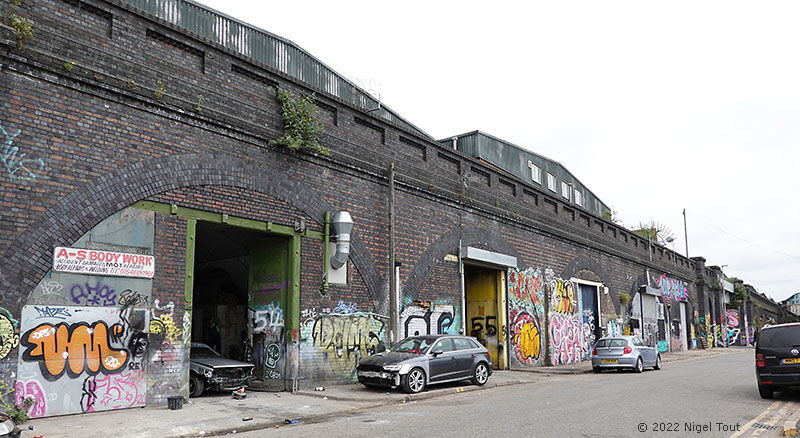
(743,239)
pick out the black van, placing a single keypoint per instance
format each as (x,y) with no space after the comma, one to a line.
(777,358)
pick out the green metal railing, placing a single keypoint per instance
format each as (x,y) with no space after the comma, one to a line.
(265,48)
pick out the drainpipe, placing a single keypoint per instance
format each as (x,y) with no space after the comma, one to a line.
(393,298)
(455,143)
(325,253)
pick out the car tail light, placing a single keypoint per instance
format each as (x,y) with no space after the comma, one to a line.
(760,362)
(767,382)
(594,351)
(627,350)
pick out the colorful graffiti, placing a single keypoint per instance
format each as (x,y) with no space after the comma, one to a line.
(564,300)
(525,311)
(565,338)
(732,318)
(82,359)
(17,166)
(426,318)
(9,339)
(672,288)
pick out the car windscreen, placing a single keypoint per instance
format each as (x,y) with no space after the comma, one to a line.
(413,345)
(780,337)
(202,352)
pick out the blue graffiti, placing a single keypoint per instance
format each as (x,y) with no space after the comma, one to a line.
(52,312)
(17,166)
(97,295)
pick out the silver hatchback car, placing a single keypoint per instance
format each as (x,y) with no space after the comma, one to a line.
(624,352)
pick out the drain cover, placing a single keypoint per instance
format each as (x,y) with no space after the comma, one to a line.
(765,427)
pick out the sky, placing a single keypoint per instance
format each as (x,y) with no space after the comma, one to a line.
(655,106)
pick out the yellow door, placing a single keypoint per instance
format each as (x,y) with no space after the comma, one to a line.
(480,288)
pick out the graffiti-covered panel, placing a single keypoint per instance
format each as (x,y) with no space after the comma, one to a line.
(81,359)
(428,318)
(566,324)
(525,315)
(341,336)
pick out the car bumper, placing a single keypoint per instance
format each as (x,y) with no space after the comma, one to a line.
(782,380)
(227,383)
(379,378)
(621,362)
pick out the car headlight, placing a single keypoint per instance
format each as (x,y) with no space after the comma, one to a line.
(208,372)
(392,367)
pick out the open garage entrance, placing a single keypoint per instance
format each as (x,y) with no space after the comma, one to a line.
(485,309)
(239,298)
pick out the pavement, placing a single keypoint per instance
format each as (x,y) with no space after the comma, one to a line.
(216,414)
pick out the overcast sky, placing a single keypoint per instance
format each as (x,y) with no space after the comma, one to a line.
(656,107)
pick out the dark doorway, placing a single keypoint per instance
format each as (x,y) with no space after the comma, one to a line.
(240,296)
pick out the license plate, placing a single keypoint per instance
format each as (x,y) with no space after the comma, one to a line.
(791,361)
(610,361)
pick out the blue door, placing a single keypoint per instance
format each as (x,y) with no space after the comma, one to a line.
(591,320)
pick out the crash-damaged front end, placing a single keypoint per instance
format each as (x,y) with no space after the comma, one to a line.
(223,378)
(386,369)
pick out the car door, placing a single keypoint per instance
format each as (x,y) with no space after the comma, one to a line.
(465,354)
(444,365)
(648,353)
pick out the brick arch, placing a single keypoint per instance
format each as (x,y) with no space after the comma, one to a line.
(586,263)
(28,257)
(426,262)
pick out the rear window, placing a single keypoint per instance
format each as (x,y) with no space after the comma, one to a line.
(618,343)
(602,343)
(779,337)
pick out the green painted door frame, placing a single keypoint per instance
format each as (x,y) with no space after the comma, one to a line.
(292,318)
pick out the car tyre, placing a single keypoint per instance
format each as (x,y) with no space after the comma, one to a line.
(196,386)
(414,381)
(657,366)
(639,366)
(765,392)
(480,375)
(597,370)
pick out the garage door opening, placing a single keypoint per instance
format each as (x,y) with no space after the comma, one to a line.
(485,309)
(241,281)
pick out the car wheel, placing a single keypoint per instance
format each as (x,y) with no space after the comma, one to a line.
(639,366)
(765,392)
(480,375)
(657,366)
(414,381)
(597,370)
(196,386)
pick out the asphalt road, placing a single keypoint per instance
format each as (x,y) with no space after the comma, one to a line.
(695,397)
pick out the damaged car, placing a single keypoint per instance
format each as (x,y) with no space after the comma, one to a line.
(419,361)
(210,371)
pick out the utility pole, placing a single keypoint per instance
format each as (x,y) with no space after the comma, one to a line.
(685,234)
(393,334)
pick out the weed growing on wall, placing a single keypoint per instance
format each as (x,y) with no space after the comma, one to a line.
(300,123)
(22,26)
(160,90)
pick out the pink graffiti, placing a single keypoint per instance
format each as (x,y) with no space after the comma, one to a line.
(31,390)
(565,338)
(114,391)
(732,318)
(672,288)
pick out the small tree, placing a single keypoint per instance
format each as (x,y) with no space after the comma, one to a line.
(654,232)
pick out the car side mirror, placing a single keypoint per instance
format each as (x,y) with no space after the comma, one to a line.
(436,352)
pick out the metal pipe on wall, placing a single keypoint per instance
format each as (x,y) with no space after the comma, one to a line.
(393,298)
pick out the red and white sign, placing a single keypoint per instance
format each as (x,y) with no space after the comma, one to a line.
(99,262)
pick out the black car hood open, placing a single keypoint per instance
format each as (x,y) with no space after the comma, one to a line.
(388,358)
(220,362)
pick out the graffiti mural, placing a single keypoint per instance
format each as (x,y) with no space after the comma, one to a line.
(337,341)
(16,164)
(426,318)
(9,339)
(525,312)
(671,288)
(93,294)
(82,359)
(566,325)
(31,391)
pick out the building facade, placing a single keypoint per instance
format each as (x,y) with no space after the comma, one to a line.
(146,208)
